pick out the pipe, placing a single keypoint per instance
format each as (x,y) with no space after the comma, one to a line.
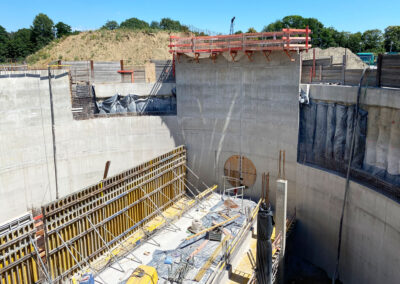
(354,123)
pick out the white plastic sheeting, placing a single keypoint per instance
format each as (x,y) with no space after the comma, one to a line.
(383,139)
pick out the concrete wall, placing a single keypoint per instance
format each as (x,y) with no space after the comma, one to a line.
(83,147)
(371,228)
(140,89)
(240,108)
(371,231)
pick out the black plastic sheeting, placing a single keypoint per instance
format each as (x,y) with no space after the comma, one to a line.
(137,104)
(265,225)
(325,135)
(324,142)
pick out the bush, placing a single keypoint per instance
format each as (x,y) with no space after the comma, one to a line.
(134,24)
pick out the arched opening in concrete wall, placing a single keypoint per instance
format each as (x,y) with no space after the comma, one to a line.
(240,170)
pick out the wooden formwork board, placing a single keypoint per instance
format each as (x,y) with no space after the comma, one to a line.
(83,226)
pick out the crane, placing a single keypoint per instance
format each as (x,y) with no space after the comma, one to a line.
(231,31)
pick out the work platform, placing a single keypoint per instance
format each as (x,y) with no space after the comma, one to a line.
(287,40)
(140,216)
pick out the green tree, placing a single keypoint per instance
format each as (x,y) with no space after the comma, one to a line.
(392,38)
(328,38)
(373,40)
(273,27)
(170,25)
(355,43)
(341,38)
(3,44)
(110,25)
(134,24)
(251,30)
(318,35)
(42,31)
(62,29)
(238,32)
(155,25)
(20,45)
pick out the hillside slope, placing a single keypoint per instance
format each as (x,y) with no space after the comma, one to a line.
(136,47)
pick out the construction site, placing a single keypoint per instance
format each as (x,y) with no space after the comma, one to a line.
(244,158)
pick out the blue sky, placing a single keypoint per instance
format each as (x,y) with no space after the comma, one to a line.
(350,15)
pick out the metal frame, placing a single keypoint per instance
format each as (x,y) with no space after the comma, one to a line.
(83,226)
(287,40)
(18,253)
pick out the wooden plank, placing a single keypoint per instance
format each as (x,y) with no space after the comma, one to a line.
(213,227)
(210,260)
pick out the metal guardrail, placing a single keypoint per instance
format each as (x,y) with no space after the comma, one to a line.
(287,39)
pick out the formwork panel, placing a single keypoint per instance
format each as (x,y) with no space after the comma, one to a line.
(88,224)
(18,257)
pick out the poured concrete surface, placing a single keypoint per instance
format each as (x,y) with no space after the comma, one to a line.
(371,230)
(245,108)
(83,147)
(140,89)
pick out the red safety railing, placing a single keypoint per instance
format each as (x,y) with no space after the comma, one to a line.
(287,40)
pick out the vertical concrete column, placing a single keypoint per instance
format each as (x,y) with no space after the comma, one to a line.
(280,211)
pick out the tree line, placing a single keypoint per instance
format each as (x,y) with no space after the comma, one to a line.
(16,46)
(374,40)
(166,24)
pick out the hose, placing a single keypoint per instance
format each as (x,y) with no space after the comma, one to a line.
(354,125)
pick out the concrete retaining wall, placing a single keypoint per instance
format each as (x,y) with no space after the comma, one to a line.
(83,147)
(245,108)
(371,231)
(371,228)
(140,89)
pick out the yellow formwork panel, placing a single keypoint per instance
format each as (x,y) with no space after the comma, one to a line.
(17,252)
(84,225)
(90,225)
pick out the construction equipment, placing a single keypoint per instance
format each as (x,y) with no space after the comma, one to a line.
(144,274)
(215,235)
(232,25)
(179,274)
(213,227)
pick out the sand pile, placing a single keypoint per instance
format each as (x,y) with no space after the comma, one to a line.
(136,47)
(353,61)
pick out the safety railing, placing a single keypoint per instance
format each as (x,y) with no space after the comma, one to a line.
(287,39)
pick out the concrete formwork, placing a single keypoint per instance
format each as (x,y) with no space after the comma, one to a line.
(245,108)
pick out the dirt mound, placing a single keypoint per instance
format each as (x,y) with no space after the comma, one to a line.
(136,47)
(353,61)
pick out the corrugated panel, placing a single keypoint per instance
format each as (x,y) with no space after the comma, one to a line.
(80,70)
(107,72)
(390,76)
(164,66)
